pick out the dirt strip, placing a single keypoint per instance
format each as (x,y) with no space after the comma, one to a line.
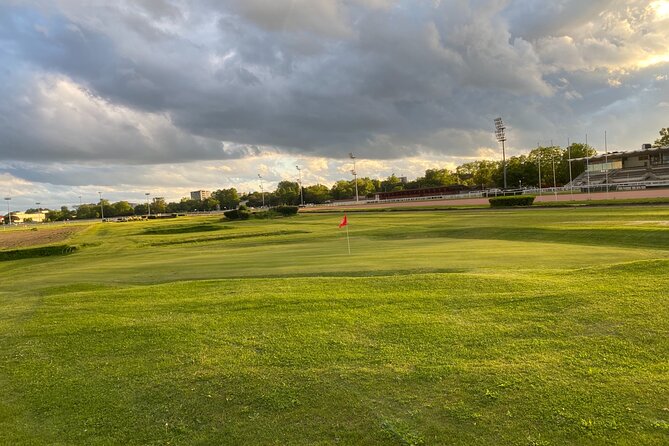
(13,238)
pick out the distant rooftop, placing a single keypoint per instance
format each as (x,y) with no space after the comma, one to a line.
(645,149)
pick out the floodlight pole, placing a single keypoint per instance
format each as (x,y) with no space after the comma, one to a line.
(355,176)
(148,204)
(606,163)
(539,158)
(554,179)
(262,191)
(587,164)
(571,186)
(9,213)
(301,188)
(102,209)
(501,137)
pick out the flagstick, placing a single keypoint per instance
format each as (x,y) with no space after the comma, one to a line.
(348,242)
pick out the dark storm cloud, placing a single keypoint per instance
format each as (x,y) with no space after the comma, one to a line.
(167,81)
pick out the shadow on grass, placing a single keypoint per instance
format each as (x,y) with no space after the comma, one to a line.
(228,237)
(654,238)
(30,253)
(206,227)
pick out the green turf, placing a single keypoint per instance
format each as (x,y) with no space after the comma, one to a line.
(527,327)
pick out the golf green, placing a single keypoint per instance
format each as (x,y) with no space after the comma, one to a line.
(523,327)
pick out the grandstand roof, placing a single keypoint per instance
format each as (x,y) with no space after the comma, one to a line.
(602,156)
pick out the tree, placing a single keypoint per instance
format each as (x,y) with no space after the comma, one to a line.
(316,194)
(480,173)
(253,199)
(88,211)
(287,192)
(63,214)
(577,150)
(663,140)
(545,156)
(518,172)
(391,184)
(343,190)
(123,208)
(434,178)
(228,198)
(366,186)
(210,204)
(158,206)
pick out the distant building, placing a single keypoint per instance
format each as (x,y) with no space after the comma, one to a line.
(22,217)
(200,195)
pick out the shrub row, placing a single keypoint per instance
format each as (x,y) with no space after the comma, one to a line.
(237,214)
(514,200)
(243,214)
(286,210)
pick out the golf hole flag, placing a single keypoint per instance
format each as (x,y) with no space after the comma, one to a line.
(343,223)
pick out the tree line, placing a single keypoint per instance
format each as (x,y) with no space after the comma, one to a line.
(522,171)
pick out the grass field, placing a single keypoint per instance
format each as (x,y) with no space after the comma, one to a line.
(520,327)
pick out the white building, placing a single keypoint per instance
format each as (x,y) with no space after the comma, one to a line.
(200,195)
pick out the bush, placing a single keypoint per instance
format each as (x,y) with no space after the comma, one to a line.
(237,214)
(515,200)
(286,210)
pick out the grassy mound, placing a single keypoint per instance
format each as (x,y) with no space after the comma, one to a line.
(41,251)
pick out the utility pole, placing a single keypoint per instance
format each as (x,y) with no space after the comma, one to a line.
(262,191)
(539,162)
(148,204)
(355,176)
(301,188)
(606,163)
(554,179)
(102,209)
(571,186)
(587,164)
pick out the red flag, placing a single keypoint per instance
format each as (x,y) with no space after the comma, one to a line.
(344,222)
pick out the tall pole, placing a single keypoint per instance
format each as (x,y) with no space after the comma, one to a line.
(102,209)
(355,176)
(262,191)
(539,153)
(504,162)
(9,213)
(301,188)
(606,163)
(501,137)
(554,179)
(571,186)
(587,169)
(148,204)
(587,164)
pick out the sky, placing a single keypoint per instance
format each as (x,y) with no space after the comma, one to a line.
(169,96)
